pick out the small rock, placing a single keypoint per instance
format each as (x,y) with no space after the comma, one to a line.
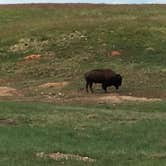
(115,53)
(32,57)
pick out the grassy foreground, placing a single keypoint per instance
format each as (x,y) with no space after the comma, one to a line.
(125,134)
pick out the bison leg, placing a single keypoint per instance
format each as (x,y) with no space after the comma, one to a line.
(117,87)
(87,84)
(91,87)
(104,87)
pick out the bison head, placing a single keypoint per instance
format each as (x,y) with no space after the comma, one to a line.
(117,80)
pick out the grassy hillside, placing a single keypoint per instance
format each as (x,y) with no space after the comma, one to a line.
(73,39)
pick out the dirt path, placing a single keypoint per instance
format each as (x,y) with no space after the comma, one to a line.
(113,98)
(15,94)
(118,98)
(8,91)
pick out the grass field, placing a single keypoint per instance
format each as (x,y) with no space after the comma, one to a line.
(71,40)
(125,134)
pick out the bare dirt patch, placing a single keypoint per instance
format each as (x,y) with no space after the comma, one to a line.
(118,98)
(57,85)
(8,91)
(114,98)
(61,156)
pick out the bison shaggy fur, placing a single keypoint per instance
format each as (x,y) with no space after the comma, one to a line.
(106,77)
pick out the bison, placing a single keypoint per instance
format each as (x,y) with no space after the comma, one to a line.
(106,77)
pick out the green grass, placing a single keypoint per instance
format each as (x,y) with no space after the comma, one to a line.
(73,39)
(80,38)
(112,134)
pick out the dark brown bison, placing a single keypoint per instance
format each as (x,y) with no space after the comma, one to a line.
(106,77)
